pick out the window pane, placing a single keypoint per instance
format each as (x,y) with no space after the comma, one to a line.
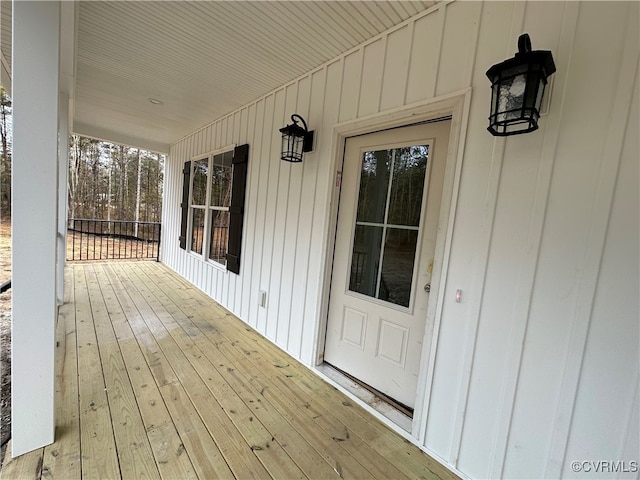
(365,259)
(219,236)
(197,229)
(224,159)
(199,191)
(374,183)
(221,186)
(397,266)
(407,186)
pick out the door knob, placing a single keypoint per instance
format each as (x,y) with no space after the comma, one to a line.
(427,287)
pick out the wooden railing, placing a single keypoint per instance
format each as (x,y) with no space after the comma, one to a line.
(91,239)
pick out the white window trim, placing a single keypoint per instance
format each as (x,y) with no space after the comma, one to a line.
(206,243)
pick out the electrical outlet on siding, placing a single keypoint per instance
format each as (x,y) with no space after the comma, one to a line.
(262,298)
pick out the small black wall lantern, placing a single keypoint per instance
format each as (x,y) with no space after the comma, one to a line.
(517,87)
(296,140)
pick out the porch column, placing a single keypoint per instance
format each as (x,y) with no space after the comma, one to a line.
(36,34)
(63,174)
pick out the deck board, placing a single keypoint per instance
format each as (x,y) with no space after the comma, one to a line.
(156,380)
(62,458)
(99,455)
(135,457)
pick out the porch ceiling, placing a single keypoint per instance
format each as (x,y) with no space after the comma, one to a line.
(203,60)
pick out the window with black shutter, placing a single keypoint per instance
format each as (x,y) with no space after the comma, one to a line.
(213,199)
(236,210)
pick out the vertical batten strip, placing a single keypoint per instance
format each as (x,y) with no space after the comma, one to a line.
(245,135)
(256,177)
(266,157)
(457,48)
(424,60)
(442,16)
(296,174)
(350,90)
(279,233)
(309,169)
(239,132)
(397,53)
(306,254)
(373,67)
(412,38)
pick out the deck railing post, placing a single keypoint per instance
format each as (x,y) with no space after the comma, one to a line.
(159,237)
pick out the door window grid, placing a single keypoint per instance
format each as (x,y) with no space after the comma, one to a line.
(361,269)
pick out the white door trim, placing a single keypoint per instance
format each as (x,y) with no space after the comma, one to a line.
(456,105)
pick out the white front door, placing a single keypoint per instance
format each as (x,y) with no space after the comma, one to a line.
(384,253)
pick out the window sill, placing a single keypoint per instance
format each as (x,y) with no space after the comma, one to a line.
(206,261)
(216,265)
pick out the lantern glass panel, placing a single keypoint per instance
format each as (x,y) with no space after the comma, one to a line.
(511,98)
(542,83)
(291,148)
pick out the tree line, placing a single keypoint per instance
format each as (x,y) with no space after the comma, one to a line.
(106,181)
(114,182)
(5,154)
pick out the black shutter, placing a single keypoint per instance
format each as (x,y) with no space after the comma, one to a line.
(236,209)
(186,176)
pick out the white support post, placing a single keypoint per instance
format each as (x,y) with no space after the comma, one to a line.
(36,34)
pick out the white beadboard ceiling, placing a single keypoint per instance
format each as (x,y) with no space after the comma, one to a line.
(203,59)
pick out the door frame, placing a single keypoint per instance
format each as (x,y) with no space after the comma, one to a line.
(455,105)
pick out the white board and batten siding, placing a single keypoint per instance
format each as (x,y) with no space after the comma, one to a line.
(537,366)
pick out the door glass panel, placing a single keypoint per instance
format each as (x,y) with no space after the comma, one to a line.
(387,223)
(405,201)
(397,266)
(365,259)
(374,183)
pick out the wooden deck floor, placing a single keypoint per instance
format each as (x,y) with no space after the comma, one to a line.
(155,380)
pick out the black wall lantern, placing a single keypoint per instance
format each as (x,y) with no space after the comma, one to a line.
(517,87)
(296,140)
